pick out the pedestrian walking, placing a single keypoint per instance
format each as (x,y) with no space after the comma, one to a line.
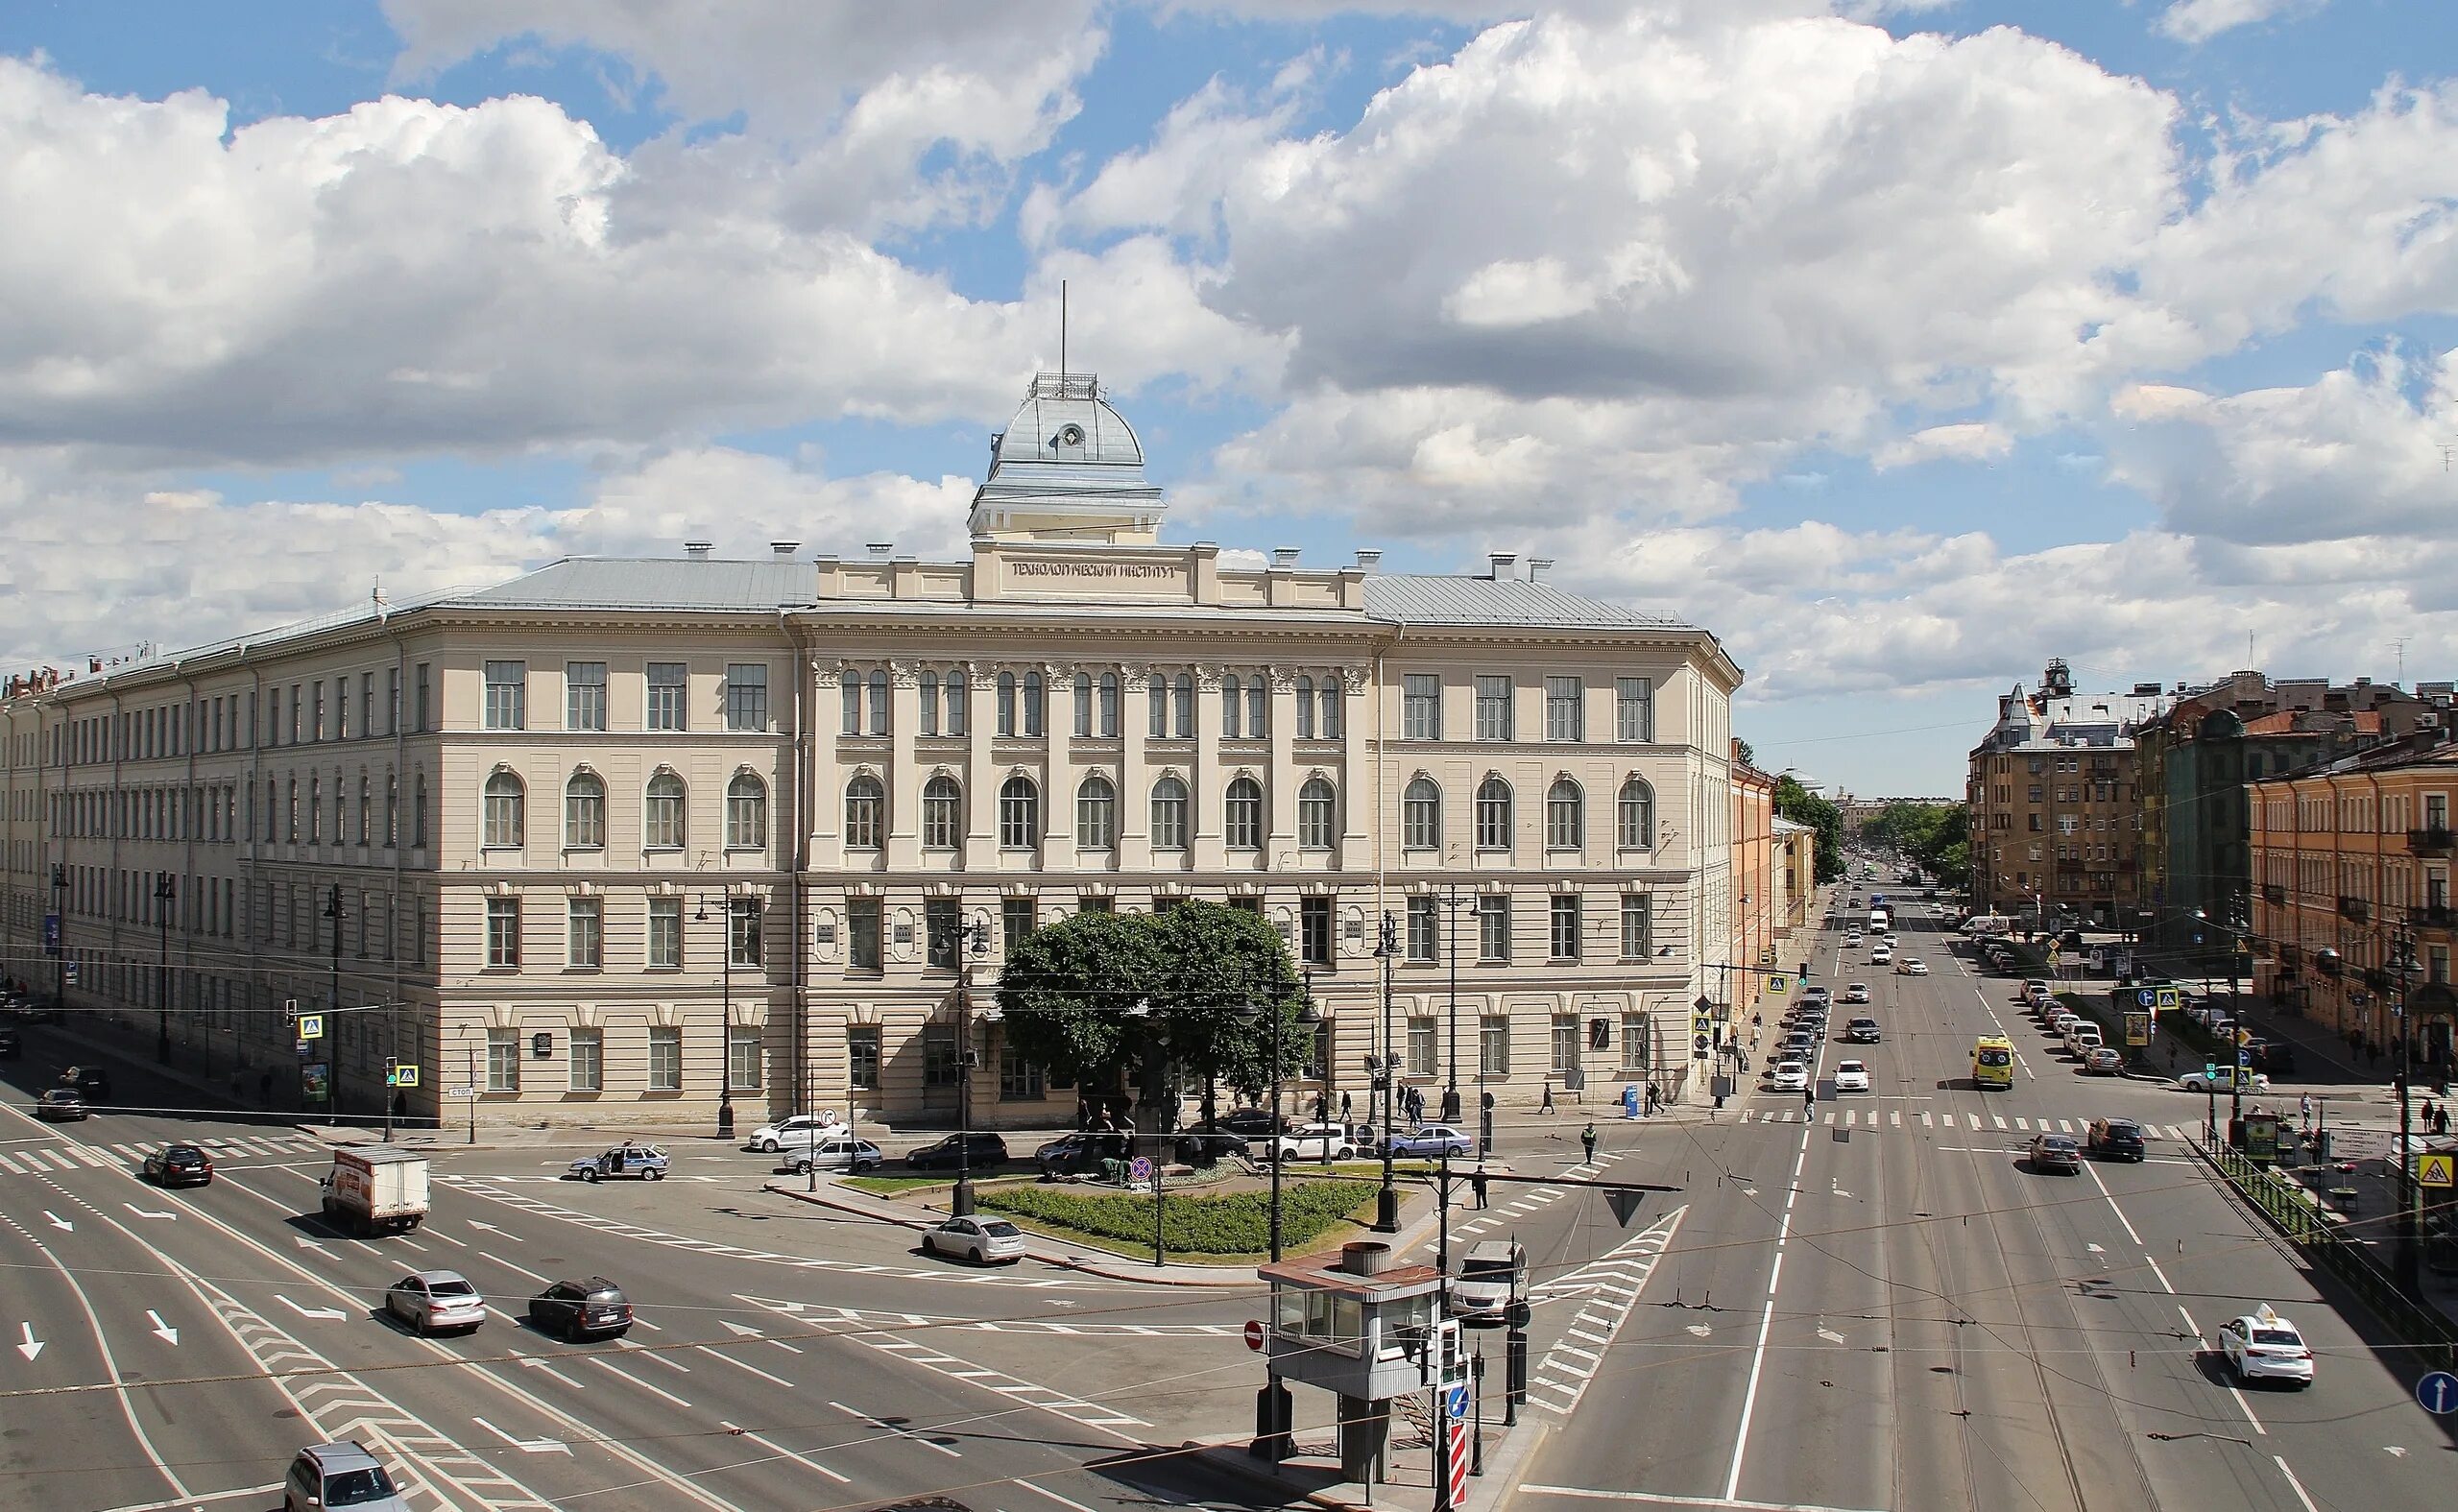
(2305,1109)
(1547,1106)
(1477,1185)
(264,1086)
(1587,1142)
(1809,1102)
(2441,1120)
(1344,1107)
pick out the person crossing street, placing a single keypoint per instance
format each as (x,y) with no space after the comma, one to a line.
(1588,1141)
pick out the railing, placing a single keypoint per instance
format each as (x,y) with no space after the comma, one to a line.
(2431,914)
(2433,1336)
(2356,909)
(2432,840)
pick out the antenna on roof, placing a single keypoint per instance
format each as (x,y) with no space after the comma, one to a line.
(1062,328)
(2399,645)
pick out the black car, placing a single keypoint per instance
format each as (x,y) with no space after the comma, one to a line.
(1862,1031)
(95,1084)
(2116,1140)
(179,1165)
(578,1309)
(1253,1124)
(2276,1057)
(978,1148)
(1207,1147)
(1077,1153)
(2056,1152)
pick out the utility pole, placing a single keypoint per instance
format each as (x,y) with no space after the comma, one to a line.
(59,937)
(1386,1202)
(163,892)
(972,940)
(2410,1276)
(332,1066)
(1451,1080)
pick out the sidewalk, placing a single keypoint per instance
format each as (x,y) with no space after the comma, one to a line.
(1316,1478)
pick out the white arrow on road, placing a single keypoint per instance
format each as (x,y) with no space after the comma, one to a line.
(59,1222)
(33,1346)
(163,1331)
(146,1214)
(534,1446)
(492,1229)
(307,1312)
(742,1328)
(318,1245)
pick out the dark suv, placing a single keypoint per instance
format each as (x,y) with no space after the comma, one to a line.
(580,1309)
(981,1148)
(2274,1057)
(179,1165)
(2114,1140)
(1078,1153)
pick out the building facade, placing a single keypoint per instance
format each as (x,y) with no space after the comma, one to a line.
(640,840)
(2056,824)
(1796,871)
(1758,904)
(2351,865)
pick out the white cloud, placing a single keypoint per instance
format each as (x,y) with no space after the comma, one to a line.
(2201,20)
(1969,441)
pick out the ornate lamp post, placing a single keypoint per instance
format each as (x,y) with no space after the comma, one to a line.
(165,890)
(973,941)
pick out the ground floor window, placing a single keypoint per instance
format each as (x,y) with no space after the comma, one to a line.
(588,1064)
(503,1060)
(1634,1042)
(1493,1045)
(862,1057)
(938,1057)
(1565,1042)
(1421,1046)
(1019,1079)
(743,1058)
(666,1059)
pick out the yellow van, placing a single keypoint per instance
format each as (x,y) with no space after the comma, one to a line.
(1992,1062)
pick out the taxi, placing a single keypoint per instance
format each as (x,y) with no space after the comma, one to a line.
(2263,1346)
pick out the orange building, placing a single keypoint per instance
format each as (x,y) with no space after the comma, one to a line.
(1757,886)
(2350,869)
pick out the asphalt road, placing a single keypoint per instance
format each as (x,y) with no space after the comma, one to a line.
(1885,1308)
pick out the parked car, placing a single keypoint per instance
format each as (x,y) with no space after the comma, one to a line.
(1856,993)
(430,1301)
(2263,1346)
(1914,966)
(1790,1076)
(2221,1078)
(2056,1152)
(2082,1039)
(1252,1123)
(1851,1076)
(1817,994)
(2064,1022)
(802,1128)
(1207,1146)
(337,1475)
(2034,984)
(2102,1060)
(983,1241)
(1434,1140)
(1862,1031)
(1797,1046)
(624,1162)
(1081,1152)
(2276,1057)
(179,1165)
(839,1151)
(2116,1140)
(980,1148)
(92,1083)
(60,1105)
(582,1309)
(1310,1141)
(1490,1277)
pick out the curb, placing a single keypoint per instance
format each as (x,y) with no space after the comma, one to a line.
(1231,1459)
(1188,1276)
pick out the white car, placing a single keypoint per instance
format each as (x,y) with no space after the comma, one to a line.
(803,1128)
(431,1301)
(1851,1076)
(1914,966)
(1883,955)
(984,1241)
(1856,993)
(1308,1141)
(2217,1080)
(1791,1076)
(1852,941)
(2263,1346)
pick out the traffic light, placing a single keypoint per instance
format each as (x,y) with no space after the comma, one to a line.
(290,1013)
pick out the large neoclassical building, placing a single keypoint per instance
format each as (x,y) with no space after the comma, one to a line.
(621,840)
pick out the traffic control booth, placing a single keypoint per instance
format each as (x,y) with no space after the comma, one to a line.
(1359,1327)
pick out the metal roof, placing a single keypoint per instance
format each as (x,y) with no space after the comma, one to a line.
(1429,600)
(653,583)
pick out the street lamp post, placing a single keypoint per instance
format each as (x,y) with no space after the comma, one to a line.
(1451,902)
(725,1000)
(2403,965)
(1386,1202)
(973,940)
(163,892)
(332,1069)
(59,937)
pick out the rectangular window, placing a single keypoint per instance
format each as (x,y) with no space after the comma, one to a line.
(665,1057)
(584,695)
(941,930)
(1016,920)
(366,705)
(1493,707)
(1564,934)
(747,696)
(743,1058)
(938,1057)
(1422,1044)
(1562,1040)
(586,1066)
(1565,708)
(1638,925)
(1634,1042)
(862,1057)
(503,932)
(507,695)
(1634,709)
(1315,930)
(669,694)
(1493,926)
(584,933)
(745,922)
(1020,1080)
(1424,936)
(1421,707)
(503,1060)
(316,724)
(419,701)
(1493,1045)
(862,934)
(666,933)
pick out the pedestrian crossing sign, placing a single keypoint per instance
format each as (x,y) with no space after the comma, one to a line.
(1777,983)
(2437,1171)
(312,1027)
(404,1076)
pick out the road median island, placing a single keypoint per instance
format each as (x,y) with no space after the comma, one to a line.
(1224,1227)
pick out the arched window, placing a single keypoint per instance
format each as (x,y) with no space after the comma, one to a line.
(1318,817)
(1096,815)
(1036,704)
(418,811)
(585,812)
(1109,706)
(505,821)
(1168,814)
(1421,815)
(1182,704)
(1258,707)
(392,809)
(366,807)
(878,701)
(958,714)
(294,811)
(864,798)
(929,703)
(1156,693)
(942,813)
(1565,816)
(1635,816)
(663,828)
(1019,813)
(272,813)
(1305,708)
(1493,814)
(315,809)
(746,813)
(1330,721)
(849,690)
(1006,701)
(1083,703)
(1233,705)
(1243,815)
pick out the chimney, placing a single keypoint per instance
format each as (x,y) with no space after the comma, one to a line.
(1502,562)
(1365,1258)
(1370,561)
(1537,567)
(784,548)
(699,550)
(879,549)
(1284,556)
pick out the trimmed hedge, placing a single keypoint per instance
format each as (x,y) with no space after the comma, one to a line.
(1234,1223)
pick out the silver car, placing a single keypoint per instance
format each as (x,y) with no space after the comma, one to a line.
(432,1301)
(984,1241)
(326,1477)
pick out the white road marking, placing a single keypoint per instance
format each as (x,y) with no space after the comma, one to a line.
(740,1365)
(2294,1484)
(773,1447)
(613,1369)
(894,1428)
(1053,1494)
(540,1445)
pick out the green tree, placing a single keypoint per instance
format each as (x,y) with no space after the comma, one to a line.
(1067,993)
(1213,965)
(1802,806)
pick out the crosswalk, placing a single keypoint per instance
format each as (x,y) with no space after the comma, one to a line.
(50,1159)
(1895,1118)
(1605,1291)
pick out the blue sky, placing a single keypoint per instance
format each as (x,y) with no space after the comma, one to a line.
(1905,346)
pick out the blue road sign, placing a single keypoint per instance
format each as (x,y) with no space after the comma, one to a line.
(2244,1057)
(2147,997)
(1457,1410)
(1140,1169)
(2438,1392)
